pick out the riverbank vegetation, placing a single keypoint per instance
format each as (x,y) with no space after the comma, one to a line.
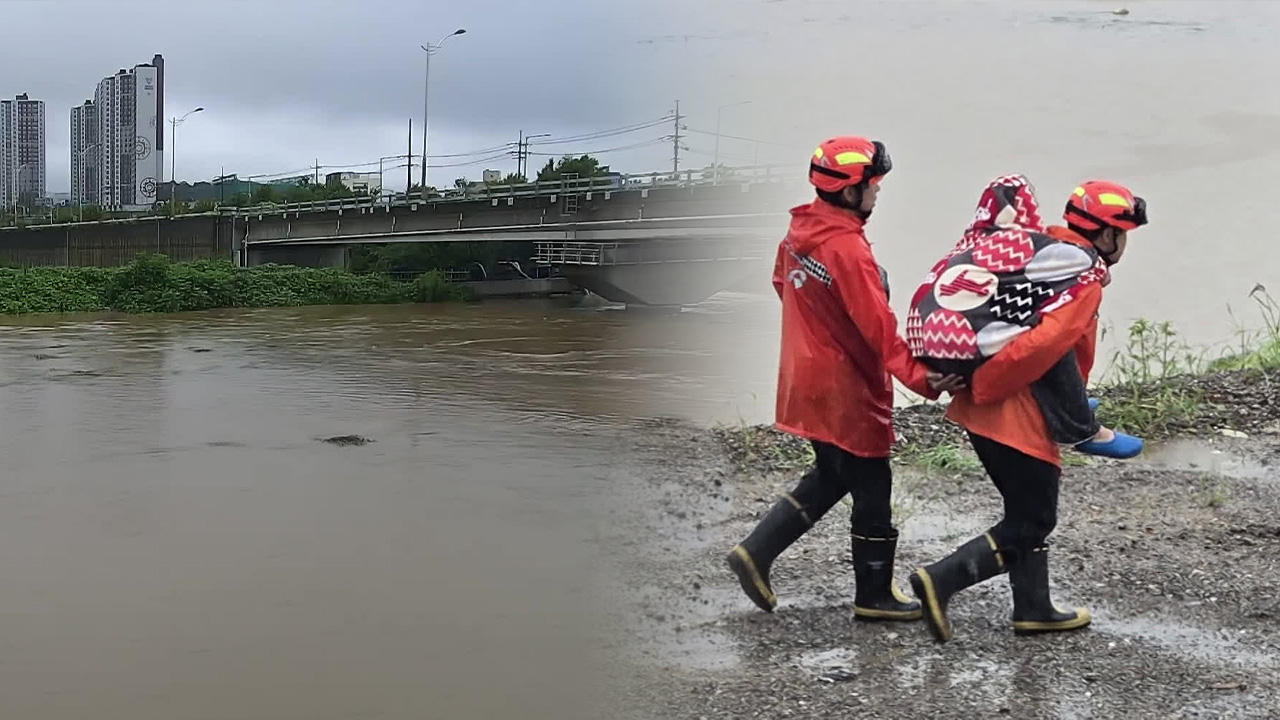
(1157,386)
(154,284)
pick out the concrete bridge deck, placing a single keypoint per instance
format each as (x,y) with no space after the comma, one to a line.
(684,219)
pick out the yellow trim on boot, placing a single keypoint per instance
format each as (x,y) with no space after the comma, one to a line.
(799,508)
(898,594)
(1082,618)
(931,601)
(756,578)
(995,549)
(875,614)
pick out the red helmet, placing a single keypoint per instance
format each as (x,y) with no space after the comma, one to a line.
(1099,203)
(848,161)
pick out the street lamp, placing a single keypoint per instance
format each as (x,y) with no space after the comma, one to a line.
(426,96)
(173,156)
(522,157)
(715,164)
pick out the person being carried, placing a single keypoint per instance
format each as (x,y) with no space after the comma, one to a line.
(1002,417)
(995,284)
(840,351)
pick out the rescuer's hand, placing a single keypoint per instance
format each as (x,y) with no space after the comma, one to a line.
(945,383)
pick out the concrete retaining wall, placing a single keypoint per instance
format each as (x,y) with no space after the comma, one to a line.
(110,244)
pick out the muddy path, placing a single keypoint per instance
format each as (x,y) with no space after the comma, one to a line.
(1177,555)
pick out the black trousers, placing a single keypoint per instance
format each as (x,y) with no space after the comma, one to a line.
(1064,402)
(837,473)
(1029,487)
(1060,393)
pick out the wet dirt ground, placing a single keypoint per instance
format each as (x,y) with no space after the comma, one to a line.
(1176,553)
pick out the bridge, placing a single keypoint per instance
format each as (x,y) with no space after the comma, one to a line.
(651,239)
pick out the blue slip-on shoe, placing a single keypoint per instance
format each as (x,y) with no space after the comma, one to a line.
(1121,447)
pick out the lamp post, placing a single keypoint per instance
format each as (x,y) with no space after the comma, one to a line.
(426,97)
(715,164)
(381,190)
(173,156)
(522,166)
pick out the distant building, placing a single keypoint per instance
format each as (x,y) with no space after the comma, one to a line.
(122,165)
(22,151)
(86,154)
(357,182)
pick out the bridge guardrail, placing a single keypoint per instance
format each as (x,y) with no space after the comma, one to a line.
(754,174)
(619,253)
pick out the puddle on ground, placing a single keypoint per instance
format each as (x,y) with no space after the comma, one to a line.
(702,650)
(1217,646)
(1201,456)
(938,528)
(835,665)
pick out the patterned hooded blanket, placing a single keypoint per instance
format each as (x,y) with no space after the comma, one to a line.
(998,281)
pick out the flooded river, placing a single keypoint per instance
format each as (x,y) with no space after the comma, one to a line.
(180,541)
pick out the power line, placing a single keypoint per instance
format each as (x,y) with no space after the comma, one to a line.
(492,153)
(606,133)
(745,139)
(633,146)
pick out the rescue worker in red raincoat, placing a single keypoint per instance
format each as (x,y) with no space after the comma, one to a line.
(840,345)
(1009,434)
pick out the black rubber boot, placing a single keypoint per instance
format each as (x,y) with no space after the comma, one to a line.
(1033,610)
(876,596)
(751,559)
(971,563)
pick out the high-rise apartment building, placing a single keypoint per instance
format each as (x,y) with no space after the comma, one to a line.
(117,139)
(22,151)
(86,154)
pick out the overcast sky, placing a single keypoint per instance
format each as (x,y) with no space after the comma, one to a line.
(287,82)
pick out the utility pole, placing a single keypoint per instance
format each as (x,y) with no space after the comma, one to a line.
(675,155)
(520,154)
(408,173)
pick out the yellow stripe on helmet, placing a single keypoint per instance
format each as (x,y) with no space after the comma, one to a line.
(1113,199)
(817,154)
(1079,191)
(851,157)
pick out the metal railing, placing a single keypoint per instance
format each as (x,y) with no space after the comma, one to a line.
(753,174)
(633,253)
(575,253)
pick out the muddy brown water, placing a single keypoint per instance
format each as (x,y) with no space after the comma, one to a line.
(179,540)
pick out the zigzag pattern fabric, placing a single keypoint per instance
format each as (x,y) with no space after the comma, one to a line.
(998,280)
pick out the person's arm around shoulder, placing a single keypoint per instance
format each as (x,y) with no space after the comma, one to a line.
(1030,355)
(857,282)
(778,267)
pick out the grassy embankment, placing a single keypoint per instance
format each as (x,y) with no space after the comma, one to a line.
(153,283)
(1157,387)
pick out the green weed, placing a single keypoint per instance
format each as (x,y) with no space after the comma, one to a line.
(153,283)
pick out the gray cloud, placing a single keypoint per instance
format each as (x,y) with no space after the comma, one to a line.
(287,82)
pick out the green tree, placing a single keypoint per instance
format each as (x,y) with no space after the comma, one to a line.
(264,194)
(585,166)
